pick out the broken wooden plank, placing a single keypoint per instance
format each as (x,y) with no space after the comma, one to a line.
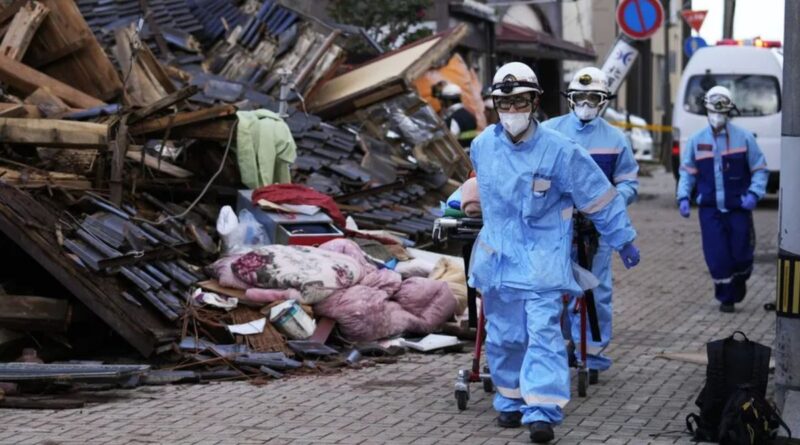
(159,164)
(47,102)
(27,80)
(53,132)
(33,313)
(163,103)
(32,178)
(87,69)
(15,110)
(22,28)
(144,79)
(179,119)
(28,221)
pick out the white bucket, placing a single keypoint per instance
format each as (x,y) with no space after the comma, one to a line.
(289,318)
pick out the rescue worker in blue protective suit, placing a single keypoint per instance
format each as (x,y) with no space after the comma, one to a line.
(730,172)
(587,94)
(529,180)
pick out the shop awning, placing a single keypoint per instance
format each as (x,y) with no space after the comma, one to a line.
(522,41)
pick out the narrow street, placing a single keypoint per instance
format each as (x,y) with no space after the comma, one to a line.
(665,305)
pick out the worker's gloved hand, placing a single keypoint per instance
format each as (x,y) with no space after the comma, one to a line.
(683,207)
(749,201)
(630,255)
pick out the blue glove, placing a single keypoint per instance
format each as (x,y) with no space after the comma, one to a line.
(749,201)
(683,206)
(630,255)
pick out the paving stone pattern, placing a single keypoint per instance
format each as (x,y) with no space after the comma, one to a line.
(664,305)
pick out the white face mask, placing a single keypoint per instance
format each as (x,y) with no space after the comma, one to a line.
(515,123)
(585,112)
(717,120)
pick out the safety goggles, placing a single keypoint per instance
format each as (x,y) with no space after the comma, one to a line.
(593,98)
(719,103)
(519,101)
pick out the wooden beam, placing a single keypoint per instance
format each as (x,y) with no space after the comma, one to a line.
(27,80)
(216,130)
(160,165)
(179,119)
(53,132)
(32,178)
(119,147)
(15,110)
(87,69)
(22,28)
(164,102)
(11,10)
(47,102)
(44,59)
(31,313)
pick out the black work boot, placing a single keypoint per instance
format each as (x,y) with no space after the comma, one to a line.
(509,419)
(541,432)
(594,376)
(727,308)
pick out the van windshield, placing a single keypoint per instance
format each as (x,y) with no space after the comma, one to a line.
(754,95)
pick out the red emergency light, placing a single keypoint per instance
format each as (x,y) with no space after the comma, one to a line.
(757,42)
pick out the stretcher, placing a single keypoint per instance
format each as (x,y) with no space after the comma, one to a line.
(465,231)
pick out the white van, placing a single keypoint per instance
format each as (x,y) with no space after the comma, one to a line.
(754,75)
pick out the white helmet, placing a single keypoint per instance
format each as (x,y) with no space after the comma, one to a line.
(589,79)
(515,78)
(719,99)
(451,91)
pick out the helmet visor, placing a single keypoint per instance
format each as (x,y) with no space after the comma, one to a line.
(592,98)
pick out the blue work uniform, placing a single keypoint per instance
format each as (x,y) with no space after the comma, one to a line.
(610,150)
(521,259)
(725,167)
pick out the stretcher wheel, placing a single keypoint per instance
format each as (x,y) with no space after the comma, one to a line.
(583,382)
(461,400)
(488,385)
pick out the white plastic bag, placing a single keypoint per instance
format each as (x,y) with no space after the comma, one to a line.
(240,233)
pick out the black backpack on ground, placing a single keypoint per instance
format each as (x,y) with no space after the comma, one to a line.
(734,366)
(749,419)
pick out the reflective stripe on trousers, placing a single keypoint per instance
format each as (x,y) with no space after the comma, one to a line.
(526,354)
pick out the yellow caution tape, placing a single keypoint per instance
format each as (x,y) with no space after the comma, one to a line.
(659,128)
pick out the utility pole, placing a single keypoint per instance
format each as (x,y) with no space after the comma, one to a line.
(727,22)
(787,338)
(666,119)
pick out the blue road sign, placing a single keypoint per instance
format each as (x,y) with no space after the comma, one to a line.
(640,19)
(692,44)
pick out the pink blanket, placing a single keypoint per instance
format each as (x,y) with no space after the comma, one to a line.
(379,304)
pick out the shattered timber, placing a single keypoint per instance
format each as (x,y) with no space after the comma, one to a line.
(125,128)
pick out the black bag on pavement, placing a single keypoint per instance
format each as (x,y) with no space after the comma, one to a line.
(749,419)
(732,363)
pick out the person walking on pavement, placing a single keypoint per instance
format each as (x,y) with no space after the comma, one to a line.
(725,163)
(529,179)
(457,118)
(587,94)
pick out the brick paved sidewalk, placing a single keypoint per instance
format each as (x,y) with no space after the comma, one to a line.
(664,305)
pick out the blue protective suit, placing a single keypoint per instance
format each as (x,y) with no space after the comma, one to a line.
(521,260)
(724,167)
(609,148)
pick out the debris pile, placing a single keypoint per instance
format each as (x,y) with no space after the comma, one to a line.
(120,143)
